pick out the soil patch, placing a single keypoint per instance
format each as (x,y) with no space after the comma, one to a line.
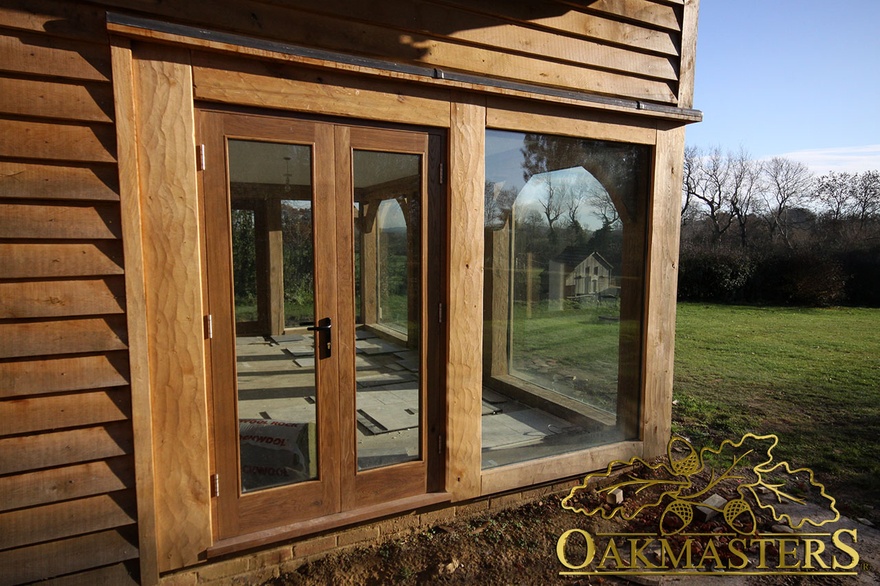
(514,546)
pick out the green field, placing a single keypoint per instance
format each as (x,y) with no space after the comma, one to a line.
(812,376)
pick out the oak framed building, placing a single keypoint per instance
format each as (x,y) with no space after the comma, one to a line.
(272,270)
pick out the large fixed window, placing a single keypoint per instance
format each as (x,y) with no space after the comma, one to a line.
(565,224)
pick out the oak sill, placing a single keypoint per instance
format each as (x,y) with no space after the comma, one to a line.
(335,521)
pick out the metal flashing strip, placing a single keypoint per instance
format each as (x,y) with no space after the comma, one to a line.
(204,34)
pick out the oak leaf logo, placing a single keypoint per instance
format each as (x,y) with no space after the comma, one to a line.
(742,474)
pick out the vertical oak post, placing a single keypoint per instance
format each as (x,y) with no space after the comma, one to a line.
(164,120)
(135,303)
(464,368)
(663,244)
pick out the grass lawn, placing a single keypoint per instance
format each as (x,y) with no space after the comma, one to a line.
(812,376)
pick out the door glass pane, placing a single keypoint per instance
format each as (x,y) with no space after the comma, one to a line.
(243,263)
(387,194)
(565,225)
(273,279)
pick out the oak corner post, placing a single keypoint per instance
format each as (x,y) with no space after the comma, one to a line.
(135,294)
(160,172)
(663,246)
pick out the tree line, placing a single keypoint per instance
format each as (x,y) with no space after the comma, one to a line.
(771,231)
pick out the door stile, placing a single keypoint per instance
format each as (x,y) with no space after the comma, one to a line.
(327,367)
(219,283)
(346,308)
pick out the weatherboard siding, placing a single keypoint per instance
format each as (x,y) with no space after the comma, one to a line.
(66,444)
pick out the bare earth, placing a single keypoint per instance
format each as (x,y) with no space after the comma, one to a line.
(518,546)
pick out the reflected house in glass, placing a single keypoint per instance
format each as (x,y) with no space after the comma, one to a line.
(589,277)
(254,232)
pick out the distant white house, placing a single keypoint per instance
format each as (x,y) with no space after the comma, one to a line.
(577,273)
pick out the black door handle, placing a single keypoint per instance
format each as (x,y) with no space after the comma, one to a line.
(323,327)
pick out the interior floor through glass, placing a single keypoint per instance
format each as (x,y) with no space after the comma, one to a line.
(276,375)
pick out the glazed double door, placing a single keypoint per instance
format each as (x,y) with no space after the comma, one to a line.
(320,278)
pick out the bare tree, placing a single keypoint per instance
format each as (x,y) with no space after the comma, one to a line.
(574,200)
(690,179)
(835,192)
(707,184)
(787,185)
(553,201)
(576,234)
(604,209)
(621,169)
(744,185)
(866,197)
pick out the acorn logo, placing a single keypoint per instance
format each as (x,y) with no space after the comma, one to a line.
(698,511)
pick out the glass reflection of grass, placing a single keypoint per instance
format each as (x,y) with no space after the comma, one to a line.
(394,312)
(573,352)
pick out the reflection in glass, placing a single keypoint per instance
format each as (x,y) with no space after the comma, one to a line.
(564,239)
(244,265)
(273,278)
(387,190)
(393,265)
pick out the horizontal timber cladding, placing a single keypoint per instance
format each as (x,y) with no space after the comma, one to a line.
(104,549)
(51,375)
(56,337)
(39,414)
(584,48)
(56,141)
(60,298)
(43,55)
(60,221)
(23,260)
(58,520)
(80,101)
(45,450)
(67,482)
(95,182)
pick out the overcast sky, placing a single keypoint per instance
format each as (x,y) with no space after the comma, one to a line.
(794,78)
